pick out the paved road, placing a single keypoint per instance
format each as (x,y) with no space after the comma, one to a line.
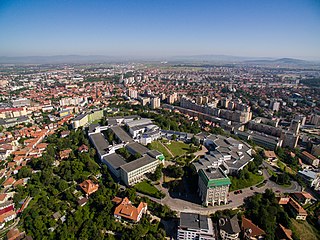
(190,202)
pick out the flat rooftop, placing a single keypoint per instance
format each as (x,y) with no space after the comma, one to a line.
(138,163)
(115,160)
(193,220)
(100,142)
(121,134)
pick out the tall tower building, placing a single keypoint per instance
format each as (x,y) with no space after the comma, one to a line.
(155,102)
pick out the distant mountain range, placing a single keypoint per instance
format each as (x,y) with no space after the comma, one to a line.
(198,59)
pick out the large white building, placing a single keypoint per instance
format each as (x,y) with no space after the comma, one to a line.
(195,226)
(135,171)
(132,172)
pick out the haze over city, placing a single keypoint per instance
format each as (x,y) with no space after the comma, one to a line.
(287,28)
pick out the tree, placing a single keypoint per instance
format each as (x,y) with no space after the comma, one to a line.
(173,137)
(174,171)
(157,174)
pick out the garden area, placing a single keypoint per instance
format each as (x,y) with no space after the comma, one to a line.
(249,180)
(147,188)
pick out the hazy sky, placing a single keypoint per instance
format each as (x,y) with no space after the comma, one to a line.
(266,28)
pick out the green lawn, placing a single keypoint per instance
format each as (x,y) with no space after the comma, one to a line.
(178,148)
(244,183)
(305,230)
(148,189)
(271,173)
(158,146)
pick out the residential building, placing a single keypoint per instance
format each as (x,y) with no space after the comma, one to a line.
(251,231)
(309,159)
(10,122)
(155,103)
(296,209)
(270,155)
(195,226)
(133,93)
(289,139)
(304,197)
(89,187)
(283,233)
(126,211)
(229,228)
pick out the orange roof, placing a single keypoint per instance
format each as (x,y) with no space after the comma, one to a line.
(19,182)
(8,182)
(3,196)
(305,195)
(7,214)
(297,207)
(270,154)
(11,164)
(42,145)
(286,232)
(308,155)
(89,187)
(283,200)
(127,210)
(116,200)
(254,229)
(13,234)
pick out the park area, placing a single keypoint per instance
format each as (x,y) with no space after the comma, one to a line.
(147,188)
(172,149)
(240,183)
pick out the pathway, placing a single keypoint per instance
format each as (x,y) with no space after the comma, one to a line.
(167,149)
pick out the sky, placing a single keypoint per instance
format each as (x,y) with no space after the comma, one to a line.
(161,28)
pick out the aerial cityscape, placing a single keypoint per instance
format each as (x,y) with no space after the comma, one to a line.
(187,120)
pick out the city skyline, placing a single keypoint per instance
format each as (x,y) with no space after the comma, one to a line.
(272,29)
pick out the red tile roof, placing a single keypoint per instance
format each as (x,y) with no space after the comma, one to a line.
(89,187)
(251,229)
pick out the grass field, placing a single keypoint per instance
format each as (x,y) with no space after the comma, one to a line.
(305,230)
(284,167)
(148,189)
(178,148)
(244,183)
(158,146)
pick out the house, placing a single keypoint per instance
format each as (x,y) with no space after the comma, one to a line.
(229,228)
(64,134)
(83,148)
(89,187)
(303,197)
(9,182)
(82,201)
(251,231)
(270,155)
(3,197)
(14,234)
(8,216)
(283,233)
(56,216)
(125,210)
(283,200)
(298,211)
(65,154)
(309,159)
